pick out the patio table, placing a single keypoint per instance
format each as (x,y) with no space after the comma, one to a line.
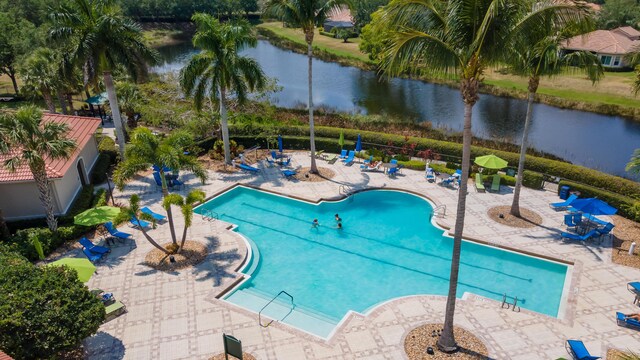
(388,166)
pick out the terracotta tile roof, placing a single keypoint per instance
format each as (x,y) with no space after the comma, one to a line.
(344,14)
(4,356)
(81,129)
(618,41)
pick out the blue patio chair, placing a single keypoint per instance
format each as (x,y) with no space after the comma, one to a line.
(158,180)
(274,155)
(343,154)
(155,215)
(623,320)
(568,220)
(634,287)
(579,352)
(96,249)
(606,230)
(286,163)
(115,232)
(350,158)
(392,171)
(138,223)
(585,237)
(393,161)
(178,183)
(564,204)
(271,162)
(596,220)
(288,174)
(93,257)
(430,175)
(248,168)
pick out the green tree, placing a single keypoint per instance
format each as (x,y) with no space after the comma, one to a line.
(538,52)
(633,165)
(40,73)
(44,309)
(27,140)
(129,99)
(460,38)
(362,11)
(146,149)
(218,71)
(375,37)
(101,39)
(616,13)
(17,39)
(306,15)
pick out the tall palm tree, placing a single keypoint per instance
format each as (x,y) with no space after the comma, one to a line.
(218,71)
(134,212)
(26,140)
(460,38)
(100,39)
(538,52)
(40,73)
(305,14)
(146,150)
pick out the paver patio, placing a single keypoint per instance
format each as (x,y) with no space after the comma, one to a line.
(177,316)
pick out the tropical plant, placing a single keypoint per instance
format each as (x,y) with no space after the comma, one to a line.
(40,74)
(633,165)
(134,212)
(218,71)
(344,34)
(305,14)
(129,99)
(460,38)
(186,206)
(100,40)
(26,140)
(537,52)
(146,150)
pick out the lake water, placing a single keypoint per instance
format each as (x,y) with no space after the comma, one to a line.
(598,141)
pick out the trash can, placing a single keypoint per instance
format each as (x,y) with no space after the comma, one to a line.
(564,192)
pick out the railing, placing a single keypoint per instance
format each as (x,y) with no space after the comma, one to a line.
(270,301)
(210,215)
(436,211)
(514,306)
(345,189)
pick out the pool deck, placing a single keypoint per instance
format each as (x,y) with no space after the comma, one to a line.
(177,315)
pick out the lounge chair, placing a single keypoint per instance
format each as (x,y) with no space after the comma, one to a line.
(349,159)
(606,230)
(627,322)
(430,175)
(288,174)
(393,171)
(568,220)
(156,216)
(115,232)
(319,154)
(248,168)
(138,223)
(479,183)
(634,288)
(332,158)
(177,183)
(271,162)
(495,184)
(96,249)
(579,352)
(158,179)
(343,154)
(595,220)
(371,168)
(114,310)
(286,162)
(448,181)
(585,237)
(93,257)
(369,160)
(564,204)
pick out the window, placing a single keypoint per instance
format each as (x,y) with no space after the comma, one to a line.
(605,60)
(616,61)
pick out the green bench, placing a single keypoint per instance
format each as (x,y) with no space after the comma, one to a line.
(479,184)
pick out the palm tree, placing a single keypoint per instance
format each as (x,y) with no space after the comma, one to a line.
(129,99)
(100,39)
(538,53)
(134,212)
(218,71)
(146,150)
(459,38)
(186,206)
(305,14)
(40,73)
(26,140)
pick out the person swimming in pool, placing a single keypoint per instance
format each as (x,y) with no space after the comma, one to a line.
(339,226)
(315,224)
(338,219)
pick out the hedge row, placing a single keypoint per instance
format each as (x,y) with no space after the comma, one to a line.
(625,205)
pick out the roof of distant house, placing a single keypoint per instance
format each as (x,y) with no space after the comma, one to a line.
(4,356)
(618,41)
(81,129)
(341,15)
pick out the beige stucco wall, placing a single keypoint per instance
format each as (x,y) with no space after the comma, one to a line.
(20,200)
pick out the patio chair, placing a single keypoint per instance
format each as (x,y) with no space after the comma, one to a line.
(369,160)
(332,158)
(495,184)
(634,287)
(96,249)
(288,174)
(319,154)
(158,179)
(248,168)
(579,352)
(596,220)
(448,181)
(479,183)
(376,167)
(115,232)
(93,257)
(349,159)
(392,171)
(177,183)
(271,162)
(393,161)
(343,154)
(114,310)
(585,237)
(430,175)
(564,204)
(287,162)
(623,320)
(568,220)
(138,223)
(606,230)
(155,215)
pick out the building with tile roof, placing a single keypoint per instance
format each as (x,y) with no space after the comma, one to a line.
(611,46)
(19,196)
(340,18)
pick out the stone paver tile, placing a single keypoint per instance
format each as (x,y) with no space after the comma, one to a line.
(137,333)
(174,327)
(289,351)
(539,334)
(487,318)
(391,335)
(360,341)
(174,307)
(508,340)
(139,353)
(177,349)
(209,320)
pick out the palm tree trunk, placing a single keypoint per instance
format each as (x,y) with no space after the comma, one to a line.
(70,102)
(40,176)
(533,87)
(447,342)
(184,237)
(165,192)
(312,135)
(48,99)
(150,239)
(61,101)
(115,111)
(225,127)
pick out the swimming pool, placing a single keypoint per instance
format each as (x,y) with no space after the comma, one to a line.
(387,248)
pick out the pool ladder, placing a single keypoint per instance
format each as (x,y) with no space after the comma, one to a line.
(270,301)
(436,210)
(345,189)
(210,215)
(514,306)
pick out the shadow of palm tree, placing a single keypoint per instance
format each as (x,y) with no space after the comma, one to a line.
(104,345)
(217,265)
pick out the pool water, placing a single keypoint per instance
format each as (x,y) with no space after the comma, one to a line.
(387,248)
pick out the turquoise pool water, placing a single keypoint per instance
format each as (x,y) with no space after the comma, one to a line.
(387,248)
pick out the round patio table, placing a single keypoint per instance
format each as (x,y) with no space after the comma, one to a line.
(388,166)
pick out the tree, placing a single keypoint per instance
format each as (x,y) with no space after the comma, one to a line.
(186,207)
(362,11)
(375,37)
(146,150)
(101,39)
(134,212)
(633,165)
(616,13)
(44,309)
(460,38)
(17,39)
(538,52)
(218,71)
(40,73)
(26,140)
(129,99)
(305,14)
(344,34)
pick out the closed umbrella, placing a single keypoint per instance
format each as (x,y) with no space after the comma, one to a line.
(341,140)
(593,206)
(491,162)
(359,144)
(95,216)
(280,147)
(83,267)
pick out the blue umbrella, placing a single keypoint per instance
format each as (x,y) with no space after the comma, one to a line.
(280,143)
(359,144)
(593,206)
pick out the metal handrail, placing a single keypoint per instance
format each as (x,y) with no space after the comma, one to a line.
(439,207)
(345,189)
(210,215)
(270,301)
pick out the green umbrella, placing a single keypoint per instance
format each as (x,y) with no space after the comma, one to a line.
(95,216)
(491,162)
(341,140)
(83,267)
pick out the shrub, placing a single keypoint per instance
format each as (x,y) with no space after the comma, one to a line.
(326,33)
(100,198)
(624,204)
(81,203)
(23,239)
(504,179)
(100,169)
(108,146)
(44,309)
(532,179)
(414,164)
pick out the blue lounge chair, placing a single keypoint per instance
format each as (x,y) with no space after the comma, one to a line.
(96,249)
(606,230)
(139,223)
(393,161)
(157,168)
(177,183)
(585,237)
(579,352)
(349,159)
(622,320)
(93,257)
(430,175)
(158,179)
(288,174)
(568,220)
(634,287)
(392,171)
(564,204)
(155,215)
(368,161)
(287,162)
(594,219)
(115,232)
(343,154)
(271,162)
(248,168)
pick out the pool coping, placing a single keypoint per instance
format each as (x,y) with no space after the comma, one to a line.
(568,298)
